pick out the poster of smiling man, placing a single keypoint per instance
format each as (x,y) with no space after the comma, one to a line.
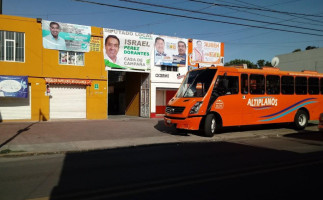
(170,51)
(205,53)
(68,37)
(125,50)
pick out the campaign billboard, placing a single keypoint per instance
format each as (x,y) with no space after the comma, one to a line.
(126,50)
(205,53)
(170,59)
(170,51)
(67,37)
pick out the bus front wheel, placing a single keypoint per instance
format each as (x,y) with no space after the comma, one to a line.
(210,125)
(301,119)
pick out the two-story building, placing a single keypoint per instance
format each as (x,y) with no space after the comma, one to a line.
(61,83)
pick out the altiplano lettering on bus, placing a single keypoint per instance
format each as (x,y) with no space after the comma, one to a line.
(262,101)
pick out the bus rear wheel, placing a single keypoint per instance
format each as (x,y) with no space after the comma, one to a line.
(210,125)
(300,120)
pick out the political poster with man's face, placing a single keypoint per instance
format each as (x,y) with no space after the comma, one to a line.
(68,37)
(170,51)
(126,50)
(206,52)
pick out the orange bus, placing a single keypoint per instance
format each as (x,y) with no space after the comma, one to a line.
(215,97)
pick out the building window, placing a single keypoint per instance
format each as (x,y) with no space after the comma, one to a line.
(12,46)
(168,68)
(71,58)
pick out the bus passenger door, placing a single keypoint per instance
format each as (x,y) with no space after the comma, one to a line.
(253,93)
(228,105)
(244,86)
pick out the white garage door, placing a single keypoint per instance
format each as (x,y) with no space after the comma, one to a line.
(15,108)
(67,101)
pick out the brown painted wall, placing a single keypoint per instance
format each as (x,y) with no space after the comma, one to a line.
(133,93)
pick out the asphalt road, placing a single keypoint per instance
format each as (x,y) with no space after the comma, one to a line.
(283,167)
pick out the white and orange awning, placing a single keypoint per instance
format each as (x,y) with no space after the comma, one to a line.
(65,81)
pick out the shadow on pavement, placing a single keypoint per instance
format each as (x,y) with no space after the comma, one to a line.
(187,171)
(160,126)
(307,135)
(18,133)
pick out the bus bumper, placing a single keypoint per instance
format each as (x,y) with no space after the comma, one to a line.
(192,123)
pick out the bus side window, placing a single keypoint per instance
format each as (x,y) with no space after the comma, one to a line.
(321,85)
(287,84)
(313,86)
(233,86)
(244,84)
(272,84)
(257,84)
(301,85)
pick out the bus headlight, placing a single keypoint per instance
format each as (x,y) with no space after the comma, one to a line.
(196,107)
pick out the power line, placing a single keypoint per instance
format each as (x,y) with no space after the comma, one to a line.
(298,17)
(268,32)
(253,8)
(196,18)
(160,21)
(262,34)
(205,13)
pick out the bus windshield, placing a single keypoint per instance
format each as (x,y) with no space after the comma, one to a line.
(196,83)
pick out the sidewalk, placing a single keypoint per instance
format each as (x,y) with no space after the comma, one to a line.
(28,138)
(82,135)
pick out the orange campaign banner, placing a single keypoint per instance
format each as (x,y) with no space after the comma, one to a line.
(68,81)
(205,53)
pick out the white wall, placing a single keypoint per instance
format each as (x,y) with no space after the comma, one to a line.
(154,87)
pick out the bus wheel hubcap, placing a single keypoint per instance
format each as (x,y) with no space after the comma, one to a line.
(302,120)
(213,125)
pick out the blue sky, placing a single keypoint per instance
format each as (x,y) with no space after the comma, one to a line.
(240,42)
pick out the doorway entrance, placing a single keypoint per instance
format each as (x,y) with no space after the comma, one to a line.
(128,93)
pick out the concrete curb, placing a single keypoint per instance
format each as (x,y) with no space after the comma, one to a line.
(92,145)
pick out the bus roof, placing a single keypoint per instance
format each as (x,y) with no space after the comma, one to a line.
(264,70)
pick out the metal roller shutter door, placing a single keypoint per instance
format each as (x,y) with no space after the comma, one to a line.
(67,101)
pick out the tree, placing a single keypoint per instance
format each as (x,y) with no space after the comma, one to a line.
(310,47)
(262,63)
(241,62)
(268,64)
(297,50)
